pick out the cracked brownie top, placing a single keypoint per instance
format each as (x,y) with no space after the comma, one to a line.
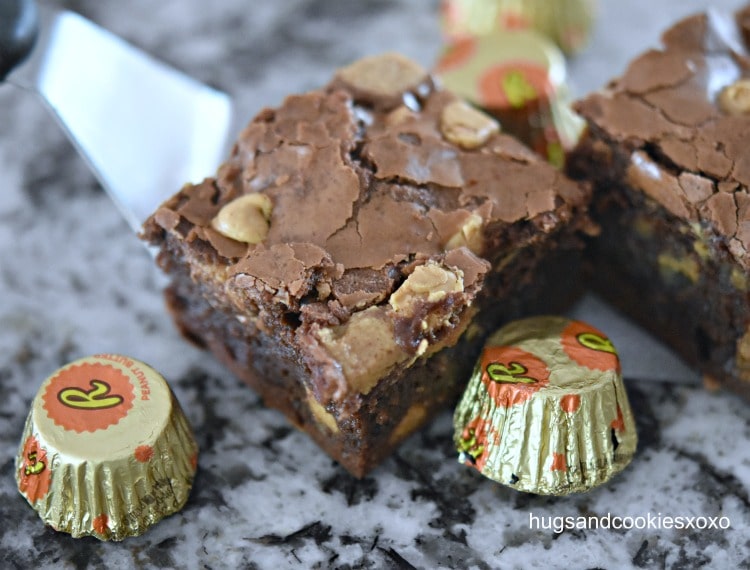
(683,114)
(357,222)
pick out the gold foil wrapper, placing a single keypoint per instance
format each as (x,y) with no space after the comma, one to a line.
(518,77)
(106,450)
(568,23)
(546,410)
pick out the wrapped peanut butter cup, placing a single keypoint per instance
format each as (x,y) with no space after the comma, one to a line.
(518,77)
(546,410)
(566,22)
(106,450)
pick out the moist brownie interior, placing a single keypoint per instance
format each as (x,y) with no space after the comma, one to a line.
(361,241)
(667,150)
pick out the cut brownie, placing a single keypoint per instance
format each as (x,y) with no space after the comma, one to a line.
(668,149)
(357,247)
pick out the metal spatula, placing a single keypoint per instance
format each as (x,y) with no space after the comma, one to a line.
(144,128)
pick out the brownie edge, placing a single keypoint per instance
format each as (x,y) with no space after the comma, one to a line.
(360,242)
(666,149)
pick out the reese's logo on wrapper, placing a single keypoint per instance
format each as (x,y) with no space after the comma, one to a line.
(514,84)
(88,397)
(475,438)
(589,347)
(512,375)
(34,474)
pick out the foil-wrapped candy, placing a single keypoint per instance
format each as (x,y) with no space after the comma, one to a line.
(546,410)
(106,451)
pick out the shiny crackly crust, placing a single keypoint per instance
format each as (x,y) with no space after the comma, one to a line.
(687,151)
(666,146)
(387,215)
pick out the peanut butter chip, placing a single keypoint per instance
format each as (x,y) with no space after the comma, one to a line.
(735,98)
(470,235)
(742,357)
(413,418)
(245,219)
(465,126)
(386,75)
(322,416)
(428,278)
(428,282)
(365,348)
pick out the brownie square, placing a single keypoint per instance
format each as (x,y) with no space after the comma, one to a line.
(358,245)
(666,148)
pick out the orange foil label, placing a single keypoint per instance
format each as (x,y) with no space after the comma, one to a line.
(513,85)
(589,347)
(476,439)
(35,474)
(88,397)
(456,55)
(512,375)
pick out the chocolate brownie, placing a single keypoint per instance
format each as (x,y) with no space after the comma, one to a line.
(350,257)
(666,147)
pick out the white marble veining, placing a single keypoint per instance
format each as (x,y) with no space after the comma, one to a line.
(75,281)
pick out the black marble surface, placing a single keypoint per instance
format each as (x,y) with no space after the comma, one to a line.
(75,281)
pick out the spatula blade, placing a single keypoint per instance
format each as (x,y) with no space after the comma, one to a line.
(145,128)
